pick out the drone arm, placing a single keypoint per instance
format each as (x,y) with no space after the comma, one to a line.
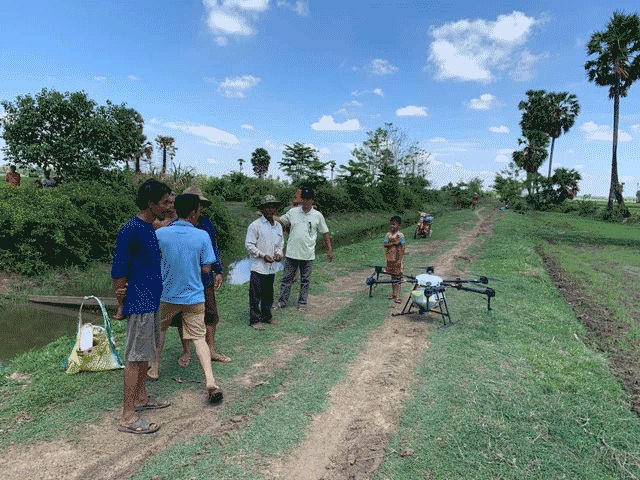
(489,292)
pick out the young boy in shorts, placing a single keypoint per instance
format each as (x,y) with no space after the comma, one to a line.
(393,255)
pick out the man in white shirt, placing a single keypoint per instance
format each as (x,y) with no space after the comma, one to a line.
(265,244)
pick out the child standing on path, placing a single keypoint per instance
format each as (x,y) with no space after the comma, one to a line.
(393,255)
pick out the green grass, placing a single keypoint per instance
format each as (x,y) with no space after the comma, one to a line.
(515,393)
(511,394)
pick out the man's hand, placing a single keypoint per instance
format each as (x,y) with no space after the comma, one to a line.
(268,258)
(277,257)
(330,254)
(120,289)
(217,282)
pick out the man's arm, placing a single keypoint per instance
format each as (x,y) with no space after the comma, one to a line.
(327,242)
(120,289)
(205,268)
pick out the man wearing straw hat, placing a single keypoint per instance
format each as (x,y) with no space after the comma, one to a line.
(265,244)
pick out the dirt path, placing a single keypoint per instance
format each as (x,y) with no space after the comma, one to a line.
(347,441)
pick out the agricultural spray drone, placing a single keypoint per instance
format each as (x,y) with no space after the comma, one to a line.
(428,291)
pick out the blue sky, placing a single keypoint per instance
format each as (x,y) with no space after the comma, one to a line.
(228,76)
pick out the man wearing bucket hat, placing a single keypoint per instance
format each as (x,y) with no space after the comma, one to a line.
(265,244)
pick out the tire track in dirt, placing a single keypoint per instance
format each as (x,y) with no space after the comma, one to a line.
(350,438)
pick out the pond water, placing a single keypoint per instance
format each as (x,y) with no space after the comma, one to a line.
(28,326)
(239,271)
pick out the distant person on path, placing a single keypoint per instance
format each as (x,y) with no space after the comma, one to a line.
(47,181)
(187,254)
(265,244)
(304,223)
(12,177)
(136,262)
(394,256)
(474,201)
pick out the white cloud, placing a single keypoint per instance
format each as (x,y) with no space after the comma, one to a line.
(212,134)
(322,152)
(213,161)
(246,126)
(485,102)
(326,123)
(412,111)
(382,67)
(570,151)
(270,144)
(593,131)
(470,50)
(458,164)
(133,78)
(301,8)
(342,111)
(636,127)
(506,151)
(437,140)
(503,158)
(500,129)
(235,87)
(231,17)
(99,79)
(375,91)
(523,71)
(578,166)
(353,103)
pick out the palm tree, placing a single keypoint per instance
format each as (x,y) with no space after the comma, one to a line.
(166,145)
(332,164)
(241,161)
(549,112)
(146,149)
(617,67)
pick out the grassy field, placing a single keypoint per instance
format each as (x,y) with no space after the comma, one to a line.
(512,394)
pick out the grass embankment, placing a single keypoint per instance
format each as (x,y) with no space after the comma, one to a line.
(516,393)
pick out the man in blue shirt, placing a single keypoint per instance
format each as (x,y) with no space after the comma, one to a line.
(136,262)
(187,253)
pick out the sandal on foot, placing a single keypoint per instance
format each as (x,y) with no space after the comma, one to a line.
(220,357)
(276,306)
(215,396)
(398,300)
(302,308)
(391,297)
(153,403)
(149,377)
(184,362)
(140,426)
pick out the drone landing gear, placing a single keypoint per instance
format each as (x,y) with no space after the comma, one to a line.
(439,307)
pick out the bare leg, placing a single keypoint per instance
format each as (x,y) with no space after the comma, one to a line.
(210,338)
(185,359)
(154,371)
(135,389)
(204,358)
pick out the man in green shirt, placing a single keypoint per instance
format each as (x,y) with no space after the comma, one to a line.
(304,224)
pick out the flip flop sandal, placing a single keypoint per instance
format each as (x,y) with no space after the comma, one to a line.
(154,403)
(398,300)
(302,309)
(215,396)
(220,357)
(150,378)
(277,306)
(139,427)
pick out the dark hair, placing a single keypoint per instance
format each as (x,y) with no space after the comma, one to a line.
(396,219)
(186,203)
(12,167)
(307,192)
(151,191)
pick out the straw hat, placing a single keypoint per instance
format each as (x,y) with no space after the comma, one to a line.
(196,191)
(269,200)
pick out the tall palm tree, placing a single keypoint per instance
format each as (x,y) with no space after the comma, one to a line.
(549,112)
(166,145)
(241,161)
(617,67)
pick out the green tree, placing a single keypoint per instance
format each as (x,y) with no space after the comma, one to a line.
(332,164)
(354,173)
(166,144)
(260,160)
(145,148)
(553,113)
(531,157)
(241,161)
(69,132)
(300,162)
(508,183)
(616,66)
(566,182)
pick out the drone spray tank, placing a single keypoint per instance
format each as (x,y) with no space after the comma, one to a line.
(425,302)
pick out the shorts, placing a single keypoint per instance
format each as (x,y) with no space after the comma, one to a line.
(192,318)
(209,318)
(142,337)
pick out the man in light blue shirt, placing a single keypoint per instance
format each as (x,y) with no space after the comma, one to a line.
(187,253)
